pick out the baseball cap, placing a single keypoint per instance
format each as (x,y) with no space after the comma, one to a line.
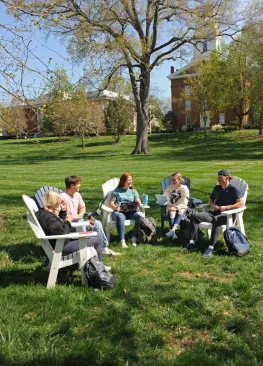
(225,173)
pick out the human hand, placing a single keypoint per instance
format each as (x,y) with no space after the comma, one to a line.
(223,208)
(69,218)
(92,220)
(216,208)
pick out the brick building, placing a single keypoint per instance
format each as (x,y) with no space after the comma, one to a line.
(184,116)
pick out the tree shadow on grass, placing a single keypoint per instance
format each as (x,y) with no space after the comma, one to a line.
(33,265)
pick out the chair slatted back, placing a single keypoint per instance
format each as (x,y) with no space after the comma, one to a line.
(168,181)
(109,186)
(31,217)
(241,185)
(40,194)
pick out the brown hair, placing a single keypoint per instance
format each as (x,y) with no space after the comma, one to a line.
(51,198)
(179,175)
(72,180)
(123,180)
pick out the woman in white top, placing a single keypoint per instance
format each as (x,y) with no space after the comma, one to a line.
(177,195)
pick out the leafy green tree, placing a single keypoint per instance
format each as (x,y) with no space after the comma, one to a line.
(156,115)
(76,115)
(135,35)
(253,39)
(167,120)
(205,90)
(119,117)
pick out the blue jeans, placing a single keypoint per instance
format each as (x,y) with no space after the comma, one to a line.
(120,218)
(175,220)
(99,229)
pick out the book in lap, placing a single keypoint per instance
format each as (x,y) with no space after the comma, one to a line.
(161,199)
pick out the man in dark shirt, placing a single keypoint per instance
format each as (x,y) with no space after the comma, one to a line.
(223,198)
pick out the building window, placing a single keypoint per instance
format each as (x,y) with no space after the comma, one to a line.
(187,90)
(188,105)
(221,118)
(204,47)
(188,120)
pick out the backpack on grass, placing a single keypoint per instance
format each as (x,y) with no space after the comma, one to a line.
(147,231)
(97,276)
(236,242)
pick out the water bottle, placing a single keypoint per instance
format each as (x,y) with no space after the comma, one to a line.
(145,199)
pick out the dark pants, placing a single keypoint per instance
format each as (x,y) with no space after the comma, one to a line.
(73,246)
(217,221)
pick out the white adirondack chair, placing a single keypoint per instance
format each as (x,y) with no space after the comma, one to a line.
(56,260)
(80,225)
(243,187)
(107,221)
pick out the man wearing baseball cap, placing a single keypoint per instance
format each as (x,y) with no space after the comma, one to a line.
(224,197)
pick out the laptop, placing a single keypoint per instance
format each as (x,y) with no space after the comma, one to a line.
(161,199)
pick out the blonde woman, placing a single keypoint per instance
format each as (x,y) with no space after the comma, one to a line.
(177,195)
(52,224)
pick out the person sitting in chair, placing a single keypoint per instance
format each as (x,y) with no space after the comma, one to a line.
(74,205)
(123,194)
(223,198)
(177,195)
(52,224)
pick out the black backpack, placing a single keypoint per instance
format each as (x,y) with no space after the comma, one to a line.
(236,242)
(147,231)
(97,276)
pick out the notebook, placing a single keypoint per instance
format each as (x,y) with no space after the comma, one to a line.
(161,199)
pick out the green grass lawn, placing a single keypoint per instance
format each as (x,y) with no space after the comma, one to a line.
(169,307)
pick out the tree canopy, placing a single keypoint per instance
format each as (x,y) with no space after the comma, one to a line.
(135,35)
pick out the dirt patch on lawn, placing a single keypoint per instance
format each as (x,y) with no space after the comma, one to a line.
(228,276)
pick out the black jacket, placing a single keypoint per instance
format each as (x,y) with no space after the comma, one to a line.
(52,224)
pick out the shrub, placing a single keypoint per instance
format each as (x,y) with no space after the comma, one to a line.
(230,128)
(216,128)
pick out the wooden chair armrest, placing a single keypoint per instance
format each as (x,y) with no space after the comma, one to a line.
(80,223)
(161,204)
(143,207)
(231,212)
(70,236)
(106,208)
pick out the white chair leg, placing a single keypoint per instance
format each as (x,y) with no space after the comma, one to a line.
(209,232)
(54,265)
(108,232)
(241,224)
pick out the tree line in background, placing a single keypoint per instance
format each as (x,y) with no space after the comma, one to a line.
(231,79)
(64,109)
(132,36)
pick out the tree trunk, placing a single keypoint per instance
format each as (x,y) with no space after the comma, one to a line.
(260,123)
(142,109)
(205,132)
(82,137)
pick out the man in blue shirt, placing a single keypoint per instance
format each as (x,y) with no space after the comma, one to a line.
(223,198)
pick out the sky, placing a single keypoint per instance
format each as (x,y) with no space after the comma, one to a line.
(54,50)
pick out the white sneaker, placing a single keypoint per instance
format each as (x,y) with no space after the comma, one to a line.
(134,241)
(107,251)
(123,244)
(108,268)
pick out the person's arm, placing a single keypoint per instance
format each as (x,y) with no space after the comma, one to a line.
(114,206)
(138,200)
(239,203)
(58,227)
(212,204)
(81,213)
(167,193)
(136,196)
